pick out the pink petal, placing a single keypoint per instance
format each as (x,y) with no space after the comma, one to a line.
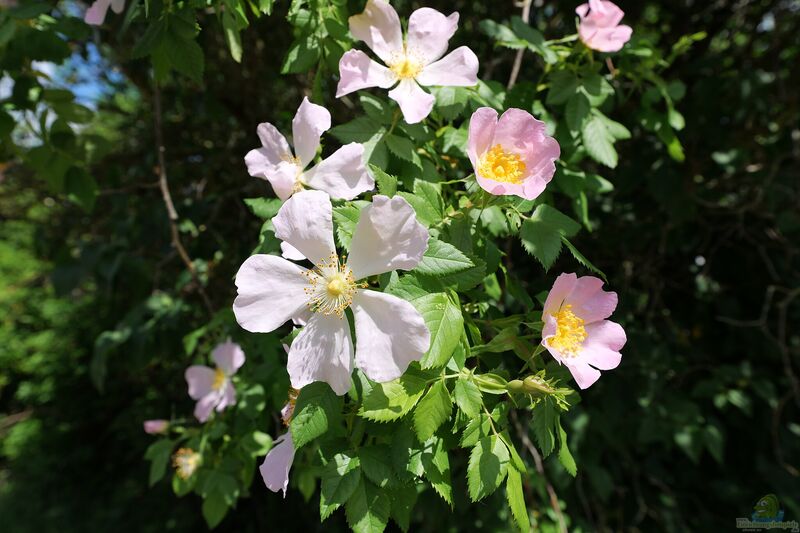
(308,125)
(605,39)
(429,31)
(379,27)
(459,68)
(482,126)
(96,14)
(155,427)
(290,252)
(415,103)
(589,301)
(604,334)
(584,374)
(562,287)
(200,380)
(270,292)
(357,71)
(387,237)
(227,397)
(306,222)
(343,174)
(277,464)
(274,147)
(228,356)
(323,351)
(390,333)
(604,14)
(204,406)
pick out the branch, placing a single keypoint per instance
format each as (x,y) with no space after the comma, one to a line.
(167,197)
(526,15)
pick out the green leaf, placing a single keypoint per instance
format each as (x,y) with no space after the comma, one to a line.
(431,412)
(426,201)
(158,454)
(541,234)
(404,149)
(359,130)
(468,397)
(403,499)
(340,478)
(375,463)
(488,465)
(346,217)
(596,88)
(534,39)
(387,184)
(264,208)
(376,108)
(563,84)
(581,259)
(316,411)
(215,507)
(302,56)
(368,508)
(436,466)
(232,36)
(516,500)
(442,258)
(477,427)
(256,443)
(564,455)
(598,141)
(80,188)
(392,400)
(182,50)
(445,322)
(545,420)
(577,111)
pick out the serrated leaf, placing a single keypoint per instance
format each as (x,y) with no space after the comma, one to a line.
(431,412)
(468,397)
(577,111)
(488,466)
(302,55)
(387,184)
(158,454)
(477,428)
(426,201)
(516,500)
(404,149)
(360,130)
(599,142)
(442,258)
(406,454)
(340,478)
(564,455)
(368,508)
(516,460)
(375,464)
(264,208)
(392,400)
(214,509)
(581,259)
(403,499)
(317,409)
(445,323)
(346,217)
(544,421)
(436,464)
(541,233)
(563,84)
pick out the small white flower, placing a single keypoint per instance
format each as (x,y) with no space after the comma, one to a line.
(390,332)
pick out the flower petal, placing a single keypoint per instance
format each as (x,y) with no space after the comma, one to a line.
(562,287)
(415,103)
(117,6)
(390,333)
(590,301)
(270,292)
(343,174)
(459,68)
(357,71)
(323,351)
(290,252)
(204,406)
(275,468)
(379,27)
(604,340)
(228,356)
(605,39)
(482,125)
(308,125)
(429,31)
(200,380)
(274,147)
(583,373)
(282,176)
(155,427)
(306,222)
(96,13)
(227,396)
(387,237)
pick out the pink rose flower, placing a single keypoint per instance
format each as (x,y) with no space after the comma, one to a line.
(96,14)
(575,330)
(155,427)
(409,63)
(212,387)
(600,27)
(342,175)
(512,155)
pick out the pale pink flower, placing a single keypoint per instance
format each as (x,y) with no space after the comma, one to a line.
(513,155)
(155,427)
(390,332)
(96,14)
(342,174)
(413,62)
(576,332)
(212,387)
(600,27)
(275,468)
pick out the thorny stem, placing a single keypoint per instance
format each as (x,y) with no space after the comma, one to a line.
(167,197)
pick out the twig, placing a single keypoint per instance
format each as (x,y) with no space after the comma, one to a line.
(526,15)
(537,459)
(167,197)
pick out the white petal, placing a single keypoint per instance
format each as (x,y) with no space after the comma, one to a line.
(323,351)
(274,149)
(390,333)
(282,176)
(387,237)
(415,103)
(308,125)
(306,222)
(290,252)
(357,71)
(343,174)
(200,380)
(458,68)
(429,31)
(204,406)
(228,356)
(379,27)
(270,292)
(275,468)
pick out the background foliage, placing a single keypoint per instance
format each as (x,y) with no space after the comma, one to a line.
(692,201)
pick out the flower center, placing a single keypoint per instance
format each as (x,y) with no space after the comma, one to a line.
(570,332)
(500,165)
(185,462)
(219,379)
(288,410)
(406,67)
(331,287)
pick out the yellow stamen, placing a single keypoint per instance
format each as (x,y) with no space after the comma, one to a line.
(406,67)
(186,462)
(288,410)
(500,165)
(219,379)
(331,287)
(570,332)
